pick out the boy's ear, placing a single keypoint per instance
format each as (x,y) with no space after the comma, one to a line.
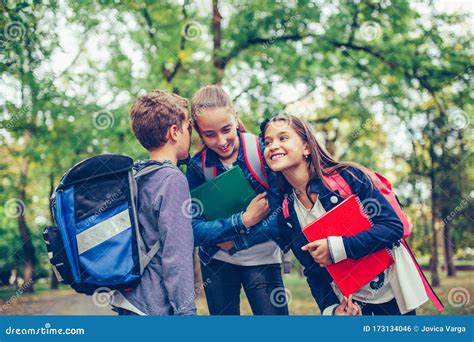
(172,133)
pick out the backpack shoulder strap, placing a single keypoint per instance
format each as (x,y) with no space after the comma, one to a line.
(146,259)
(144,256)
(253,158)
(209,172)
(285,207)
(384,186)
(337,182)
(151,168)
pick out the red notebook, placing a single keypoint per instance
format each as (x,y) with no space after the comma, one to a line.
(349,218)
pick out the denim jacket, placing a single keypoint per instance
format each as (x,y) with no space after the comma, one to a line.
(207,234)
(386,231)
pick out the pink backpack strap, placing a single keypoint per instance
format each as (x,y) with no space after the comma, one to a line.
(285,207)
(428,289)
(385,188)
(253,158)
(209,172)
(380,182)
(336,182)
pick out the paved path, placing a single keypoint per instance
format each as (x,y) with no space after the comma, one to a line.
(60,303)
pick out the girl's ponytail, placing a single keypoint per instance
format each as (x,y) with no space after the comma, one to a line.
(209,97)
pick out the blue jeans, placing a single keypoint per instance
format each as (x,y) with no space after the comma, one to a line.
(262,284)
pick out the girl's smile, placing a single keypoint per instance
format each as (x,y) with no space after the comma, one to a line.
(224,148)
(276,156)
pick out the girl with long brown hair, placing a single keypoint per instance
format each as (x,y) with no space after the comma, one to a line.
(303,171)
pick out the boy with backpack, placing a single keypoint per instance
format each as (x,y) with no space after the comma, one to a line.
(160,123)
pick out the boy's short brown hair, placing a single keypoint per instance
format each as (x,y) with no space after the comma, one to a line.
(152,114)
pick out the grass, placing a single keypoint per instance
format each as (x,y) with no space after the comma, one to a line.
(300,300)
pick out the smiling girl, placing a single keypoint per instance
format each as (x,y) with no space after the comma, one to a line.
(238,251)
(304,170)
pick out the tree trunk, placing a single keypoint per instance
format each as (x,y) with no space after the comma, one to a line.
(219,62)
(54,282)
(434,243)
(434,250)
(28,248)
(448,249)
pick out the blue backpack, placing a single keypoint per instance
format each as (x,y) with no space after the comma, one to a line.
(97,242)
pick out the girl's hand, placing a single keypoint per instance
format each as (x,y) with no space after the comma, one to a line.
(348,308)
(319,250)
(226,245)
(256,211)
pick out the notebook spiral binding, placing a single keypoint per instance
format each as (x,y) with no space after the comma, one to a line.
(389,250)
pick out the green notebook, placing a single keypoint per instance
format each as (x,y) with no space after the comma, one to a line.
(223,196)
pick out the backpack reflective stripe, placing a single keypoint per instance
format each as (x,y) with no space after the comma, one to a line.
(103,231)
(252,156)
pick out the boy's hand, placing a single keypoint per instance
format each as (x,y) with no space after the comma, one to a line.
(226,245)
(256,211)
(319,250)
(348,308)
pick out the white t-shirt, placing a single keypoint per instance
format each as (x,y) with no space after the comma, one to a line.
(380,292)
(261,254)
(264,253)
